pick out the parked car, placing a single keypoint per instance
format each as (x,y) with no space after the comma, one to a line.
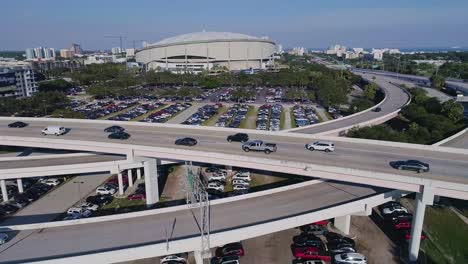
(407,234)
(309,253)
(232,249)
(218,177)
(401,224)
(186,141)
(259,145)
(398,216)
(390,209)
(119,135)
(238,187)
(72,217)
(105,190)
(18,124)
(242,176)
(341,248)
(326,146)
(100,199)
(139,195)
(54,130)
(173,259)
(350,258)
(225,260)
(413,165)
(52,181)
(314,229)
(240,182)
(307,240)
(239,137)
(8,209)
(215,186)
(89,206)
(114,129)
(3,238)
(308,261)
(79,211)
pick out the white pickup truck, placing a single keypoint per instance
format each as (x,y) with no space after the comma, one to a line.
(259,145)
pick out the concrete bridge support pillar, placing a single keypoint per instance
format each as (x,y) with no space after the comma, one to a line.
(130,178)
(423,198)
(151,181)
(138,173)
(4,190)
(198,256)
(343,223)
(19,182)
(120,180)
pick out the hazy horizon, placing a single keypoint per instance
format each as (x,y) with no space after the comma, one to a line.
(361,23)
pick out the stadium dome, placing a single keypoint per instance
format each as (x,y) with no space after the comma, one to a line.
(195,52)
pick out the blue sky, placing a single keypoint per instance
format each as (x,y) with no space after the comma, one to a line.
(308,23)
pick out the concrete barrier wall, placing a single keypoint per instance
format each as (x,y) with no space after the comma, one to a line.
(443,141)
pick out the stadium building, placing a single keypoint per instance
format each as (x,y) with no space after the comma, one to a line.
(200,51)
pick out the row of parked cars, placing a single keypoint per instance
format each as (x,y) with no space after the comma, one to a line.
(218,178)
(33,189)
(316,245)
(233,116)
(398,219)
(166,113)
(103,108)
(269,117)
(136,111)
(203,113)
(304,115)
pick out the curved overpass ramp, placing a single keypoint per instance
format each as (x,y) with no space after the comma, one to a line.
(395,99)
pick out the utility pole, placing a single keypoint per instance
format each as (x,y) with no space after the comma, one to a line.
(120,39)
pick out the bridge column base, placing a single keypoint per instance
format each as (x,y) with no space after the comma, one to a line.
(343,223)
(200,257)
(151,181)
(138,170)
(130,177)
(120,180)
(4,190)
(423,198)
(19,182)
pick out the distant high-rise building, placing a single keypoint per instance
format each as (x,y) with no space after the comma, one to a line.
(38,53)
(49,53)
(116,50)
(130,52)
(30,54)
(76,48)
(25,82)
(66,53)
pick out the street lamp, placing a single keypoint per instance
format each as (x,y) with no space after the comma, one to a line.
(79,190)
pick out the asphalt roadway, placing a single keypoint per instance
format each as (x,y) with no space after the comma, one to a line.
(444,166)
(396,99)
(89,238)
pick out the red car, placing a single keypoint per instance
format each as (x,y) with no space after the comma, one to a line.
(322,223)
(115,179)
(407,235)
(137,196)
(402,224)
(233,249)
(310,253)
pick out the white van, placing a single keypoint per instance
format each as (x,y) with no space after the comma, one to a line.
(54,130)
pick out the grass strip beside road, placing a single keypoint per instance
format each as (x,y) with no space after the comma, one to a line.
(121,205)
(282,120)
(293,120)
(250,118)
(117,113)
(211,121)
(447,235)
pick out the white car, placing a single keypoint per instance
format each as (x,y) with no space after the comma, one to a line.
(243,173)
(240,182)
(240,187)
(326,146)
(89,206)
(394,208)
(218,177)
(350,258)
(244,177)
(173,259)
(105,190)
(3,238)
(215,186)
(79,211)
(52,182)
(54,130)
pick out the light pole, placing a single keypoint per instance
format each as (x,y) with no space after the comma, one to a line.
(79,190)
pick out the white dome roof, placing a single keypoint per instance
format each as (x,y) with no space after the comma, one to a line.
(205,36)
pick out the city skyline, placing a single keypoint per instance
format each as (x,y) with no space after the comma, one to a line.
(399,24)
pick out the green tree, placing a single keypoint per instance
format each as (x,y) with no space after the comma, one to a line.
(452,110)
(370,90)
(55,85)
(437,82)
